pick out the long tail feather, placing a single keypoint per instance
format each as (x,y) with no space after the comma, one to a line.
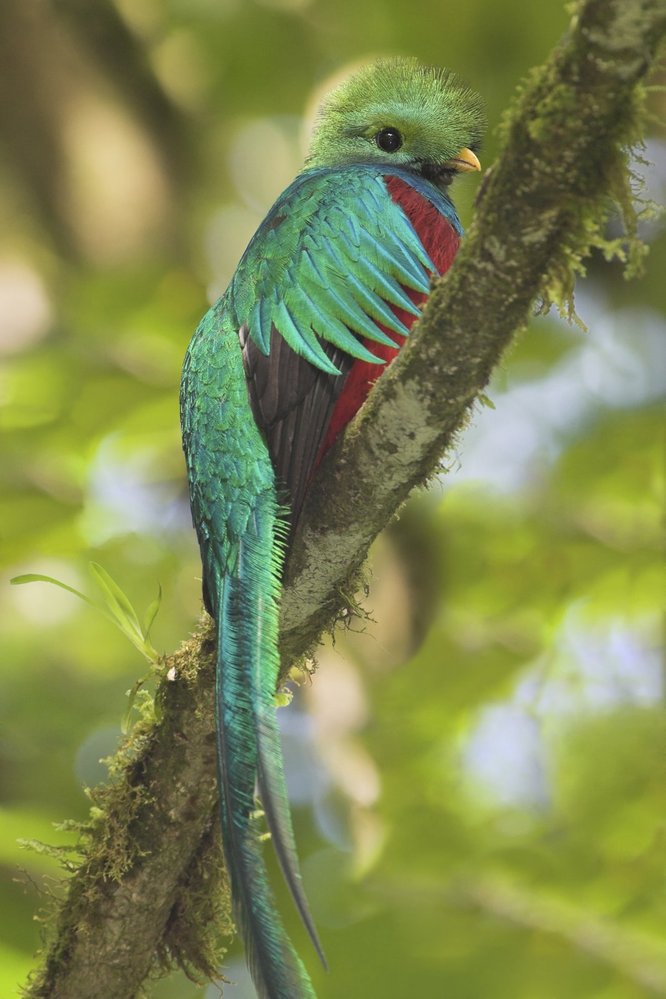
(279,823)
(248,752)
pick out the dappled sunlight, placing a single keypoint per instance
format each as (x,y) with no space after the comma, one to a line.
(229,230)
(26,312)
(41,603)
(592,669)
(116,189)
(124,497)
(617,363)
(263,159)
(177,59)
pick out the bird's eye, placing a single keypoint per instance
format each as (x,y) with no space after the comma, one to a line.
(389,139)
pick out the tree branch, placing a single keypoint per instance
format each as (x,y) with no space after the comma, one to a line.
(142,894)
(541,209)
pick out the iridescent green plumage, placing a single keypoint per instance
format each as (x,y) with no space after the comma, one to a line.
(329,281)
(316,249)
(233,496)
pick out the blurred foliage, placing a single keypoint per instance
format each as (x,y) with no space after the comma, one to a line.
(487,816)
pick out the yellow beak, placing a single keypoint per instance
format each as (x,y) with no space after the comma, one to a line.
(464,161)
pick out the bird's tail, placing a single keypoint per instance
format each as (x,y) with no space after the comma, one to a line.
(249,754)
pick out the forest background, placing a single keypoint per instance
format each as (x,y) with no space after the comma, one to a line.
(477,772)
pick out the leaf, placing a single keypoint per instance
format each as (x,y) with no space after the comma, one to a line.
(125,723)
(37,577)
(151,612)
(117,601)
(123,613)
(118,609)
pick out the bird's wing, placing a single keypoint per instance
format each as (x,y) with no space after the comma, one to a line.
(292,402)
(327,277)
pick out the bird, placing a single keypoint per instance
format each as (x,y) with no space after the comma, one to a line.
(320,303)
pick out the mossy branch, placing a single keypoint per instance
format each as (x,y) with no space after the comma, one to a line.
(150,885)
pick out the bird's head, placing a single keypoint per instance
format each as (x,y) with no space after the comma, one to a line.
(401,113)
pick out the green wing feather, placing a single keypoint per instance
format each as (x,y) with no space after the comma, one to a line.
(332,256)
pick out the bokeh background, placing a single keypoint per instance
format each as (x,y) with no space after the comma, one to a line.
(477,773)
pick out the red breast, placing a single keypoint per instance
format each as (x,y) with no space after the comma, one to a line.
(441,242)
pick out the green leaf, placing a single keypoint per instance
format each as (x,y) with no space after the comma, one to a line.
(123,612)
(37,577)
(125,724)
(151,612)
(118,609)
(116,599)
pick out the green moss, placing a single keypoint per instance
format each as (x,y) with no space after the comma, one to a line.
(607,187)
(195,654)
(115,839)
(200,922)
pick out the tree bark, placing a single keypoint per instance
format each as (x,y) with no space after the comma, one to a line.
(136,899)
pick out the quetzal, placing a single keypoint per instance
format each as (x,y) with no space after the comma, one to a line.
(321,301)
